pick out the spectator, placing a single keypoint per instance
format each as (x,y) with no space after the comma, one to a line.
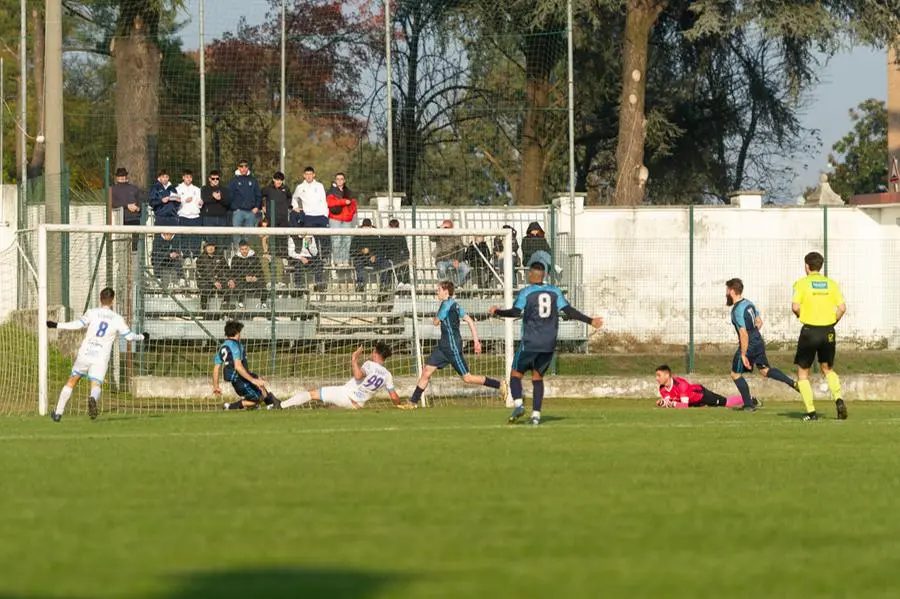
(163,199)
(130,199)
(189,211)
(214,210)
(212,273)
(498,254)
(310,200)
(366,254)
(396,253)
(167,261)
(246,276)
(478,256)
(303,254)
(246,198)
(534,242)
(341,215)
(277,208)
(449,254)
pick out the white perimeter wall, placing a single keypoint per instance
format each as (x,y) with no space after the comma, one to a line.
(636,267)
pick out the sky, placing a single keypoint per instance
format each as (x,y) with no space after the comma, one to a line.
(846,80)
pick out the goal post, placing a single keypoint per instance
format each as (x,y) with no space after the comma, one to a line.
(302,319)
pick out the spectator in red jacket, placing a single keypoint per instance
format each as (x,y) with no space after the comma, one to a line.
(341,215)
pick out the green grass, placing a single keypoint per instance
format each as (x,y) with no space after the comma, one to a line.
(606,499)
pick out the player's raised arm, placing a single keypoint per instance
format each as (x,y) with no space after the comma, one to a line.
(472,328)
(357,372)
(70,326)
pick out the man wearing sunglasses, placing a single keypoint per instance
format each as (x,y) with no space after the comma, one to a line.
(216,204)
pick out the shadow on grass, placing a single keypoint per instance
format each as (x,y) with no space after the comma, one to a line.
(793,415)
(274,583)
(551,418)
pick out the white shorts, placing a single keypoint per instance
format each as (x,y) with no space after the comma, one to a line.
(91,366)
(341,397)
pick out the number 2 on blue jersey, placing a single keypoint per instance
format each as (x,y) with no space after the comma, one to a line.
(101,328)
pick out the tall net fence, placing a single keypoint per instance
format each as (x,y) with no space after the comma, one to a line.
(477,113)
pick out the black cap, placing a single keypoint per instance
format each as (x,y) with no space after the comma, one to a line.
(243,163)
(279,176)
(121,172)
(366,222)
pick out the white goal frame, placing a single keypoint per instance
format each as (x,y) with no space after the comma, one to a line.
(42,292)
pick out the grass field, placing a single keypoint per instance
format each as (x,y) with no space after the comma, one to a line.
(606,499)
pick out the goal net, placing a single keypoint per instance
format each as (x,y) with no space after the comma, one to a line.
(304,311)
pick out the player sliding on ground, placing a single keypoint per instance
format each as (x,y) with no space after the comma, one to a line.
(231,358)
(367,380)
(449,349)
(678,392)
(104,326)
(751,350)
(539,306)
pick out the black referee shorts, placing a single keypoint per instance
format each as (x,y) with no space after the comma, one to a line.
(815,342)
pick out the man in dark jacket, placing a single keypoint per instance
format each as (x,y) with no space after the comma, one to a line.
(246,199)
(246,276)
(164,200)
(216,205)
(367,253)
(167,260)
(212,273)
(534,241)
(277,206)
(396,253)
(130,199)
(478,256)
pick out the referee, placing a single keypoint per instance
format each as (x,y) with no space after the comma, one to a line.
(819,305)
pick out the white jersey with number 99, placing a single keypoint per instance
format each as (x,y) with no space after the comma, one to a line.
(376,377)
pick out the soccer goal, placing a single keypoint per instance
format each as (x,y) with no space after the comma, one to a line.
(307,299)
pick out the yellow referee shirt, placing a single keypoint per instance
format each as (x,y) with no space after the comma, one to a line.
(819,298)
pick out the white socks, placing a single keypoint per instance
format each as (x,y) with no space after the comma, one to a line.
(64,396)
(297,399)
(518,402)
(95,393)
(535,414)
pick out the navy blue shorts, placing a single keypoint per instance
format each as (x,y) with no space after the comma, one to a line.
(534,361)
(442,356)
(756,356)
(245,389)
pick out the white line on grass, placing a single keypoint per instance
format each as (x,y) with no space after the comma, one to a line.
(598,423)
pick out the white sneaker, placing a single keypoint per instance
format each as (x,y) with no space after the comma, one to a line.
(263,306)
(241,305)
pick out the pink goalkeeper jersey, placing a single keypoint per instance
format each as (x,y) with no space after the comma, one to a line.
(681,390)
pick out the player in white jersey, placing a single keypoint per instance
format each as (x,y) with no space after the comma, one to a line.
(368,379)
(104,326)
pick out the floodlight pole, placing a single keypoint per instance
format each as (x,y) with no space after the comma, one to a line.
(390,108)
(283,149)
(571,110)
(203,172)
(23,118)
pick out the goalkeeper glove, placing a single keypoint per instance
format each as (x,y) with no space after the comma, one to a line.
(146,336)
(51,324)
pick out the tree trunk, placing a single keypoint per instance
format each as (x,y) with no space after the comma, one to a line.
(640,18)
(407,158)
(539,60)
(137,61)
(36,166)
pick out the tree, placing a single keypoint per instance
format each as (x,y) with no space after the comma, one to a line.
(797,29)
(858,158)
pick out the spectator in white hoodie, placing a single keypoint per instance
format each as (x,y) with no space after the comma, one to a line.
(310,209)
(189,211)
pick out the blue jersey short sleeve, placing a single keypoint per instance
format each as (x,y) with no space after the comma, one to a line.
(444,310)
(561,301)
(462,313)
(237,350)
(522,298)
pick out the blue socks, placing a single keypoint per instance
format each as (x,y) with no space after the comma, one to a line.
(492,383)
(538,399)
(417,394)
(744,390)
(781,377)
(515,388)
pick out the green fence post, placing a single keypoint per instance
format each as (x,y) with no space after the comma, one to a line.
(825,238)
(690,352)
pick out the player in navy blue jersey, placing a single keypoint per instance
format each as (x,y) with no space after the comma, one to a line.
(539,305)
(231,360)
(449,350)
(751,352)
